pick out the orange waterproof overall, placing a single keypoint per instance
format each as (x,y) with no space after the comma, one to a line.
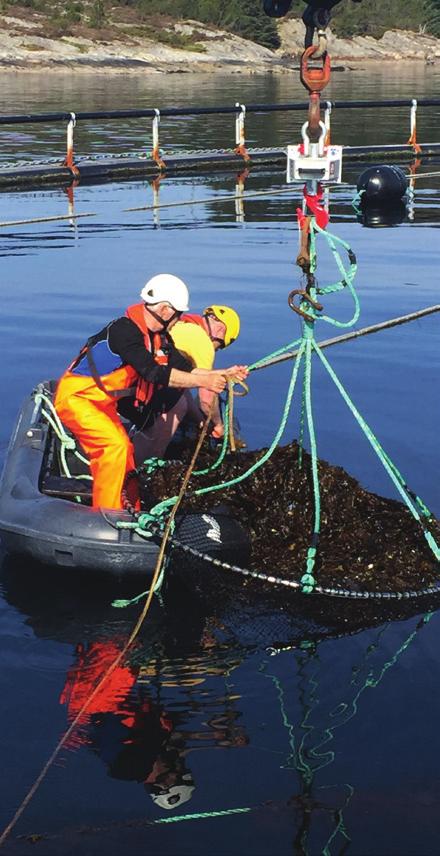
(89,410)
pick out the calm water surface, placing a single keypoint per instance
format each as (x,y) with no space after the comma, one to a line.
(306,732)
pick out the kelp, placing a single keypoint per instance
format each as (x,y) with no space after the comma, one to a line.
(367,542)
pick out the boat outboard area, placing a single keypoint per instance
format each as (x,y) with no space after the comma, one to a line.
(45,513)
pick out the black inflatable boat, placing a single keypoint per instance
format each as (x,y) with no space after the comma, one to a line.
(45,514)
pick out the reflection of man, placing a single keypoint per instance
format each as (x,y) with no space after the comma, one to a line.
(169,784)
(135,737)
(175,795)
(138,740)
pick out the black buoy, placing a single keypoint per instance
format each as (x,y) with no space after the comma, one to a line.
(376,217)
(382,186)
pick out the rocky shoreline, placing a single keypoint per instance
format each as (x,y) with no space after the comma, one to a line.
(24,47)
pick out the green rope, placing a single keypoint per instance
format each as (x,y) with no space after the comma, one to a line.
(261,362)
(224,446)
(308,581)
(67,443)
(308,762)
(347,276)
(122,603)
(422,507)
(202,815)
(290,760)
(161,507)
(301,426)
(348,710)
(391,469)
(356,202)
(148,524)
(340,826)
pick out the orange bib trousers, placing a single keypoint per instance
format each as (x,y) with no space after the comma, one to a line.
(92,417)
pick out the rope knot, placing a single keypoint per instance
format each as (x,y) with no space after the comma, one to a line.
(308,583)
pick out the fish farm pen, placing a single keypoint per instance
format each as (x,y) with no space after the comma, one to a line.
(154,160)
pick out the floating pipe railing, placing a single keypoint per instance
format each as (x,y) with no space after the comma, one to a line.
(239,110)
(26,118)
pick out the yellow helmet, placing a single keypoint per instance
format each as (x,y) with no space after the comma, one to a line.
(229,318)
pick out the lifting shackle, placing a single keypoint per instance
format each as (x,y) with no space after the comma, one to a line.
(314,79)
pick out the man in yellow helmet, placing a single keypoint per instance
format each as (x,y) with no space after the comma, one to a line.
(198,337)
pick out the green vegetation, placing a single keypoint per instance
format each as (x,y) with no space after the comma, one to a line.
(242,17)
(246,17)
(83,49)
(73,12)
(374,17)
(97,16)
(184,41)
(179,40)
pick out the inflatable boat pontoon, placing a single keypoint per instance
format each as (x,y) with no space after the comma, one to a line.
(46,515)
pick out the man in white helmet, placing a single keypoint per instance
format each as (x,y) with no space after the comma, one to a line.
(133,357)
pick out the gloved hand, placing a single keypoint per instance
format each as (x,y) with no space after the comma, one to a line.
(218,432)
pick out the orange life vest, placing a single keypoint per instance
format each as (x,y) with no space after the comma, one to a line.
(145,389)
(111,375)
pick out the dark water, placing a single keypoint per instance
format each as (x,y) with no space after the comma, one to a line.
(310,730)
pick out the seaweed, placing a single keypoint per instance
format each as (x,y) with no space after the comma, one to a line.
(367,542)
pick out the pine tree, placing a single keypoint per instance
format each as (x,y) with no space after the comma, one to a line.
(246,18)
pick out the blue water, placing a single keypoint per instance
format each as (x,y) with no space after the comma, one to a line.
(327,741)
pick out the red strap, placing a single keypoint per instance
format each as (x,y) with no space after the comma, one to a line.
(314,204)
(192,318)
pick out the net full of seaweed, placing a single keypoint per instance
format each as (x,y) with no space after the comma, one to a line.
(367,542)
(311,523)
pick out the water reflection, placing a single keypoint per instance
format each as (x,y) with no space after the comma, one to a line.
(132,733)
(184,691)
(320,805)
(128,725)
(43,93)
(167,202)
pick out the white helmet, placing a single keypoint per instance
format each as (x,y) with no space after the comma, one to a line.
(174,796)
(166,288)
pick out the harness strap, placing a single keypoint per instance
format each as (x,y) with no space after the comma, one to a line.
(112,393)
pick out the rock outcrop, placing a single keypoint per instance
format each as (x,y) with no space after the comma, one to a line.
(394,44)
(24,46)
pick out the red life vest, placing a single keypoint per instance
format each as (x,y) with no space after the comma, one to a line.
(190,318)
